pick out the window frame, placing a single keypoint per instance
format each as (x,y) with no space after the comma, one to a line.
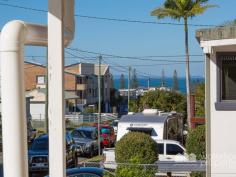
(163,148)
(220,104)
(38,76)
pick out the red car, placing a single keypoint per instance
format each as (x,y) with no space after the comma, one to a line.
(107,135)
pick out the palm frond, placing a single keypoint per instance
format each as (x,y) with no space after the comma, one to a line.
(165,12)
(198,9)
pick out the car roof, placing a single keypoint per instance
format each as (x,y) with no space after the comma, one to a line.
(87,128)
(168,141)
(93,170)
(44,136)
(141,118)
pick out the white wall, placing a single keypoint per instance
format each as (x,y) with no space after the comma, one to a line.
(37,110)
(222,141)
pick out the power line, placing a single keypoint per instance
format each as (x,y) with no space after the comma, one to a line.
(110,19)
(143,22)
(135,58)
(75,56)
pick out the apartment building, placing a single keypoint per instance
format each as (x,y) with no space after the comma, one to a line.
(80,78)
(87,84)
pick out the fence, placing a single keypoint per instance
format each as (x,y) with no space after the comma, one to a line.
(74,120)
(159,169)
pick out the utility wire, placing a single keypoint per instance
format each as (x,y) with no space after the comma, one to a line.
(133,58)
(108,18)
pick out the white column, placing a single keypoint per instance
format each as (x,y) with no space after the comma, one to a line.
(208,112)
(14,133)
(56,89)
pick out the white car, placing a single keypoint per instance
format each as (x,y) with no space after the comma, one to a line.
(168,150)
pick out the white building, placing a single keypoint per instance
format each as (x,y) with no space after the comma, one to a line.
(219,47)
(38,100)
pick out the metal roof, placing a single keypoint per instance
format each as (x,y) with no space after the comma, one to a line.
(141,118)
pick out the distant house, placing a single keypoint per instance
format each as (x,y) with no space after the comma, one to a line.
(35,77)
(87,84)
(38,100)
(80,78)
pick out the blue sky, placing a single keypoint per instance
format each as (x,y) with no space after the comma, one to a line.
(125,39)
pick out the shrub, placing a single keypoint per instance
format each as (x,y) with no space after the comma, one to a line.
(136,145)
(196,142)
(136,148)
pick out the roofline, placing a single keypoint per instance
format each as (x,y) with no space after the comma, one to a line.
(34,63)
(72,64)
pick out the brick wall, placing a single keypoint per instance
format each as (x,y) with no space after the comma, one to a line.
(33,70)
(31,73)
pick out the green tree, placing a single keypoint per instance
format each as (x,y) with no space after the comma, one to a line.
(196,144)
(183,9)
(135,148)
(175,86)
(122,81)
(160,99)
(200,99)
(134,79)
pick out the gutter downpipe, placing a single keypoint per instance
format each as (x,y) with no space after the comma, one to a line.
(14,36)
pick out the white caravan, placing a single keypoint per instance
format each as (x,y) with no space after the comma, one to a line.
(155,123)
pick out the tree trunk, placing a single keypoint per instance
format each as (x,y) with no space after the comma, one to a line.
(187,73)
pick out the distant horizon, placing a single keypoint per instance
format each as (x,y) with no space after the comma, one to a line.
(159,77)
(157,82)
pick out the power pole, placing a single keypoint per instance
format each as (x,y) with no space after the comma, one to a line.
(148,83)
(99,102)
(163,83)
(129,88)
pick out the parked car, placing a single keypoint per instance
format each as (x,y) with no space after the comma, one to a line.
(115,125)
(85,172)
(86,140)
(168,150)
(108,136)
(38,154)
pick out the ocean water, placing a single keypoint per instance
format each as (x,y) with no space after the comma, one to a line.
(156,82)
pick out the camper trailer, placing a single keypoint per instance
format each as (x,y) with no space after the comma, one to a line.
(157,124)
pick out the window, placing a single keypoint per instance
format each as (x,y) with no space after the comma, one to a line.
(226,81)
(160,148)
(228,77)
(40,79)
(173,149)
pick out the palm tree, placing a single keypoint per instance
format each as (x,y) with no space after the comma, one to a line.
(177,10)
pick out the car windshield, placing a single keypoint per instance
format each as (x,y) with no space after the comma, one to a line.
(83,134)
(40,145)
